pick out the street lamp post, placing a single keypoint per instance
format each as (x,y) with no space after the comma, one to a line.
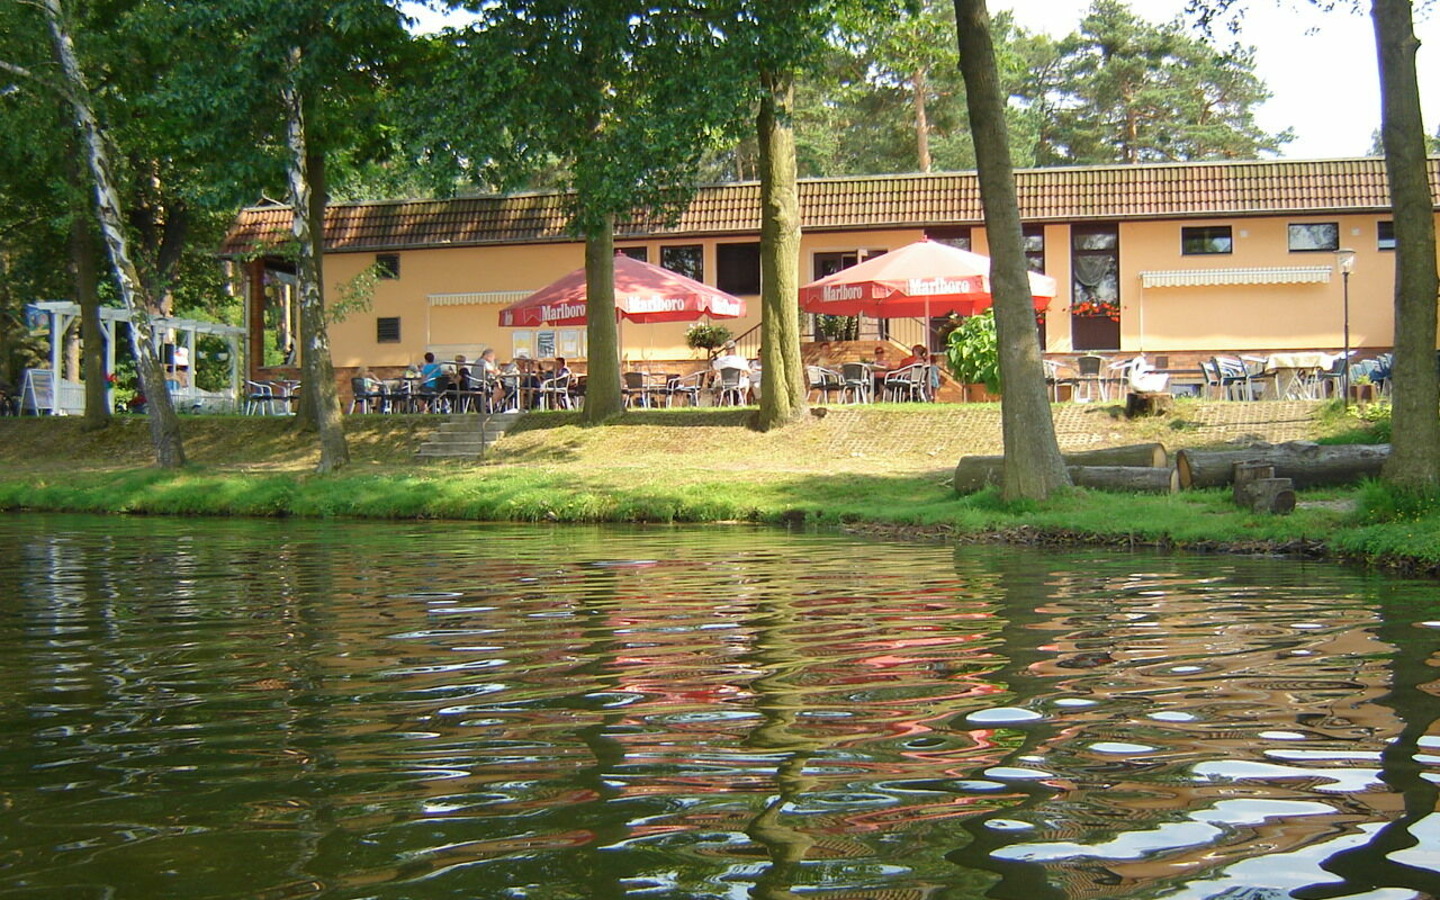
(1345,259)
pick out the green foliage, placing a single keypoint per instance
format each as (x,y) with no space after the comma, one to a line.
(972,351)
(1129,91)
(704,336)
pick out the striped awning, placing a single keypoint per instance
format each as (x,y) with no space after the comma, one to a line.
(1216,277)
(476,298)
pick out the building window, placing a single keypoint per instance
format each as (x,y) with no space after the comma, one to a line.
(387,265)
(637,253)
(1385,235)
(1095,287)
(687,259)
(1034,242)
(737,268)
(954,235)
(1309,237)
(830,263)
(1202,240)
(387,330)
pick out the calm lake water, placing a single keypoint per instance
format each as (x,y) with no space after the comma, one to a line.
(242,709)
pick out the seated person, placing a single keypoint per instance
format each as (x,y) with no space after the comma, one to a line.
(918,354)
(880,368)
(730,359)
(430,373)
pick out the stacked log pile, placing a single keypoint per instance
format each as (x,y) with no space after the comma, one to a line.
(1263,478)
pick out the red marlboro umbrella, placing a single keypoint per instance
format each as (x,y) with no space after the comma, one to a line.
(917,280)
(643,293)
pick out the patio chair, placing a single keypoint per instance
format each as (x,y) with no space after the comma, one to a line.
(910,383)
(686,387)
(730,391)
(636,389)
(1234,379)
(259,398)
(856,382)
(555,393)
(1057,381)
(1089,381)
(823,381)
(362,397)
(1262,382)
(1327,381)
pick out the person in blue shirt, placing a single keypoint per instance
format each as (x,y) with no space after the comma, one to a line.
(430,373)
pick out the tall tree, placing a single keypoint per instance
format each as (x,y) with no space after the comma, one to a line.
(1130,91)
(626,96)
(1033,467)
(164,424)
(1414,461)
(779,40)
(286,89)
(1415,443)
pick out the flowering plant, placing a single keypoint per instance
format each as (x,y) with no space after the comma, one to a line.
(1093,307)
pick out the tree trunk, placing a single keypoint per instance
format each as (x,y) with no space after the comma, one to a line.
(1148,403)
(1309,465)
(1033,466)
(782,384)
(1126,479)
(164,424)
(83,258)
(918,88)
(975,472)
(603,395)
(1415,460)
(318,372)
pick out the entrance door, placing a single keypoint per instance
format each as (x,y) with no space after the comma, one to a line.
(1095,287)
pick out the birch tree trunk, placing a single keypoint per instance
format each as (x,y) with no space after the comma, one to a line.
(318,372)
(1415,443)
(1033,464)
(603,397)
(782,385)
(164,424)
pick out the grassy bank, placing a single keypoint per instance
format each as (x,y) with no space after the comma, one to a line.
(880,468)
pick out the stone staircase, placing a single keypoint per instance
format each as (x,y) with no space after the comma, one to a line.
(466,436)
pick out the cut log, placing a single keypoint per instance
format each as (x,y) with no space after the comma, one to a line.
(1245,473)
(975,472)
(1308,464)
(1148,403)
(1136,479)
(1267,495)
(1152,455)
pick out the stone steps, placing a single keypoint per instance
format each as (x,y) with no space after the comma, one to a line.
(466,436)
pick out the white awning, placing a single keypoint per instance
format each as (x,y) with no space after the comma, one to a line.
(1214,277)
(475,298)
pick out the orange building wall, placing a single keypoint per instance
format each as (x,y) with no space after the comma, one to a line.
(1213,319)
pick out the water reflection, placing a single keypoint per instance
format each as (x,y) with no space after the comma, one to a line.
(241,709)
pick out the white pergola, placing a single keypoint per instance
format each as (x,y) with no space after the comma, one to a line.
(70,396)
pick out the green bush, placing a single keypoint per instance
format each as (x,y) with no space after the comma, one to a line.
(972,352)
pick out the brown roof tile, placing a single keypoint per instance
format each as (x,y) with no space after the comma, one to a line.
(1168,190)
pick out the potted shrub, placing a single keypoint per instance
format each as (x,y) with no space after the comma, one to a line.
(972,354)
(707,337)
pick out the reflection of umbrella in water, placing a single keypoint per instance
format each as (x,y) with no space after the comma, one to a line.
(914,281)
(643,293)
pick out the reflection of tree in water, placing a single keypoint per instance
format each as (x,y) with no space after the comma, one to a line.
(1413,696)
(1197,690)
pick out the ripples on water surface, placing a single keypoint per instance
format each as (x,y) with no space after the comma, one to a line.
(271,709)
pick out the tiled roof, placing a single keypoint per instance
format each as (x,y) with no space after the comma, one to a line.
(1168,190)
